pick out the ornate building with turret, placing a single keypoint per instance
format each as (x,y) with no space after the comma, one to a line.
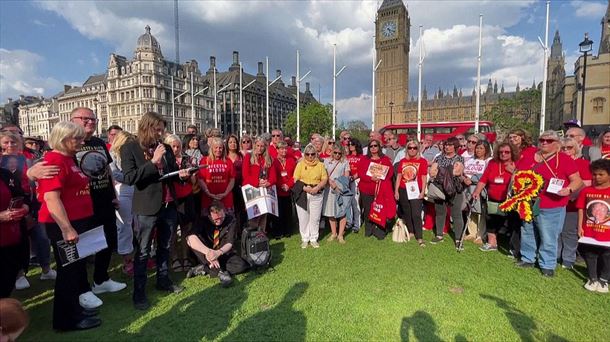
(564,93)
(181,93)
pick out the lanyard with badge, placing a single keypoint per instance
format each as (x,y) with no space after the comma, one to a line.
(284,173)
(555,184)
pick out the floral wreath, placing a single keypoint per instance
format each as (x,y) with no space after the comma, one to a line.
(526,185)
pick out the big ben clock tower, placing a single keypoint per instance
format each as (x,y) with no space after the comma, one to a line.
(392,76)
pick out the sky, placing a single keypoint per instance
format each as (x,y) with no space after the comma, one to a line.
(46,44)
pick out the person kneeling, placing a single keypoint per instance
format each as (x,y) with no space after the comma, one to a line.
(212,242)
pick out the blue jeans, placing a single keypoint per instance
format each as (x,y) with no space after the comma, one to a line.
(166,221)
(546,227)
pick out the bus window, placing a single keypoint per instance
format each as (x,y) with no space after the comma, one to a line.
(443,130)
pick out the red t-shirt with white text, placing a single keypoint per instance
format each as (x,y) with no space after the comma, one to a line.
(595,204)
(73,186)
(216,177)
(353,161)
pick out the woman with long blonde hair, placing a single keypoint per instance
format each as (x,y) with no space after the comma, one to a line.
(218,178)
(124,218)
(257,172)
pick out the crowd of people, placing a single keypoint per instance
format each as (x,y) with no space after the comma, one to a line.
(167,202)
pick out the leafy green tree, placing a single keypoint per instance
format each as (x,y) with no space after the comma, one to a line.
(521,111)
(315,118)
(357,129)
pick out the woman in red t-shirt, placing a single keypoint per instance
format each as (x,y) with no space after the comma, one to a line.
(568,238)
(66,212)
(236,156)
(284,167)
(604,144)
(496,180)
(370,186)
(354,155)
(594,226)
(218,178)
(185,205)
(410,188)
(257,171)
(522,143)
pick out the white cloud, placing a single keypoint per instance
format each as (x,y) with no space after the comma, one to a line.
(19,75)
(586,9)
(355,108)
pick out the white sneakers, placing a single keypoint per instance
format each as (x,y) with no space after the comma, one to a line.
(51,275)
(89,301)
(108,286)
(597,286)
(22,283)
(304,244)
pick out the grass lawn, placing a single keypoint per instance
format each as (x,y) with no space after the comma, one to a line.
(363,290)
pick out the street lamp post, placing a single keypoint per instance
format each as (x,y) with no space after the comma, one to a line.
(174,98)
(585,46)
(391,106)
(299,79)
(241,90)
(267,85)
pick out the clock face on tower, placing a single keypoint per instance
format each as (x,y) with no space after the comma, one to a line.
(388,29)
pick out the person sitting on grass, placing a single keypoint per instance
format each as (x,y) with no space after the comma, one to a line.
(213,242)
(593,213)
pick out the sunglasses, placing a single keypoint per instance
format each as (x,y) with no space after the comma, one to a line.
(276,135)
(546,141)
(412,148)
(350,144)
(567,148)
(337,153)
(371,146)
(310,154)
(246,142)
(345,138)
(472,142)
(504,152)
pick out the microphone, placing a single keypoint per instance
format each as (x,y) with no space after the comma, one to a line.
(191,171)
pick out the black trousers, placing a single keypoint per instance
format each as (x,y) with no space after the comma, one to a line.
(285,221)
(455,205)
(370,228)
(230,262)
(597,259)
(514,227)
(411,213)
(71,280)
(102,258)
(10,263)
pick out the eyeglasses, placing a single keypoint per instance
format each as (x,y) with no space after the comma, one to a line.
(85,119)
(472,141)
(412,148)
(346,138)
(246,142)
(567,148)
(546,141)
(310,154)
(276,135)
(371,146)
(461,138)
(504,152)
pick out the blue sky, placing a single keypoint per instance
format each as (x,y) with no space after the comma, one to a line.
(44,45)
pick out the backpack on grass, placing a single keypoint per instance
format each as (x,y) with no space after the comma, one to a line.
(255,247)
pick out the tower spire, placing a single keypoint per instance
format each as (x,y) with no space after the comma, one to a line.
(604,44)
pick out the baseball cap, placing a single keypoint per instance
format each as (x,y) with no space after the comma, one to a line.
(572,122)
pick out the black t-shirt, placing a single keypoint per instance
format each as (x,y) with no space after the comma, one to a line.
(205,232)
(93,159)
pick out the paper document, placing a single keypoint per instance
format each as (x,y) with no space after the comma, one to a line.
(412,190)
(89,243)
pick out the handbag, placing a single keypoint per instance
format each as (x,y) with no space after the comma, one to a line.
(493,209)
(434,193)
(399,233)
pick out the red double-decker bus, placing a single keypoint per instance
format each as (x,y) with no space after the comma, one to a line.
(440,130)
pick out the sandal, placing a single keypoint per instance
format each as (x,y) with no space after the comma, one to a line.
(177,266)
(421,243)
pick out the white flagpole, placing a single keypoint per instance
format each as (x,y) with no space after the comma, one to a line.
(192,101)
(545,71)
(477,115)
(267,90)
(215,100)
(298,101)
(241,121)
(419,99)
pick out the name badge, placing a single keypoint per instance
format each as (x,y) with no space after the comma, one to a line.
(499,180)
(284,173)
(555,185)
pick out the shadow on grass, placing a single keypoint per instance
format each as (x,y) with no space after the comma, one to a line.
(424,327)
(523,325)
(279,323)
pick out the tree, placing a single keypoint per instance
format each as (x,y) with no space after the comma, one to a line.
(357,129)
(315,118)
(521,111)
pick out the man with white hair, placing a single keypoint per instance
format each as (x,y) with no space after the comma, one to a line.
(588,152)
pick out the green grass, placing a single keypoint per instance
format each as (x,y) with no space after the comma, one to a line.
(363,290)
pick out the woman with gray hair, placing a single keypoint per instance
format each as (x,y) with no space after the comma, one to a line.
(337,168)
(568,237)
(310,177)
(561,179)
